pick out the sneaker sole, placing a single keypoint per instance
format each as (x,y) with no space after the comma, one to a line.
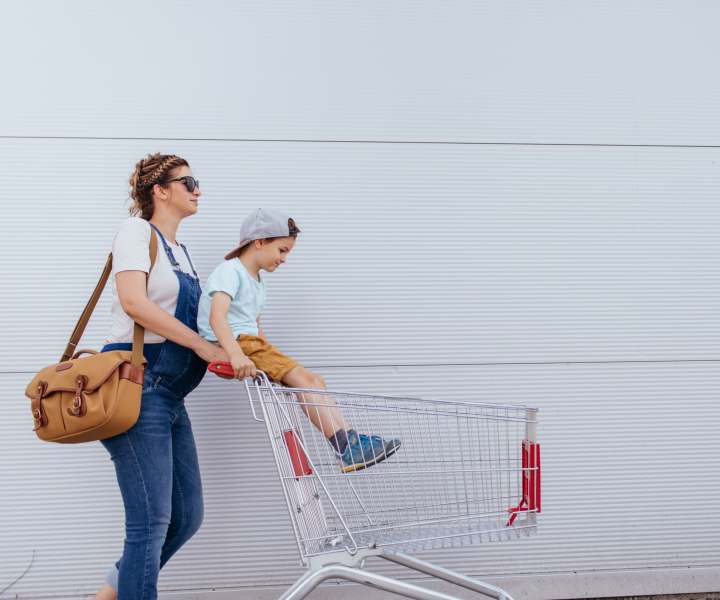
(376,460)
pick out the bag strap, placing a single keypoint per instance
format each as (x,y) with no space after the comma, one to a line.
(138,331)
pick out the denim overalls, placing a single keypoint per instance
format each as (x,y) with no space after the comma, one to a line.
(156,459)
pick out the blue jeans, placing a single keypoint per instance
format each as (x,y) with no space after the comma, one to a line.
(157,468)
(155,460)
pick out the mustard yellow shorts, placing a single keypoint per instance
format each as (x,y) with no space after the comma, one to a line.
(267,357)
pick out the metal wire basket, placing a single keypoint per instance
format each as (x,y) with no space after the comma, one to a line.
(462,473)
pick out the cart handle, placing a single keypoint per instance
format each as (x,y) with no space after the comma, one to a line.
(222,369)
(225,370)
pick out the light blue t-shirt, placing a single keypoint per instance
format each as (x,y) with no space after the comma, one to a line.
(248,299)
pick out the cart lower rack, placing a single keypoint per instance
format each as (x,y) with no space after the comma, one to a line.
(461,473)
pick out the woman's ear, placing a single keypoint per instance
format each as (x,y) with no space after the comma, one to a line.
(159,191)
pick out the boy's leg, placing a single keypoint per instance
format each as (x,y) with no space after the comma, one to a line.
(321,409)
(356,450)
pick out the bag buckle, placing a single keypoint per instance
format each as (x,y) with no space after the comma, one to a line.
(38,416)
(37,419)
(78,408)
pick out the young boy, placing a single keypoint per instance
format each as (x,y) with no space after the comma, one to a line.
(229,314)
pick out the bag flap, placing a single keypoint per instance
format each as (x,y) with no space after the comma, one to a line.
(97,368)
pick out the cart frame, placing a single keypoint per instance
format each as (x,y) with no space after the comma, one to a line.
(331,543)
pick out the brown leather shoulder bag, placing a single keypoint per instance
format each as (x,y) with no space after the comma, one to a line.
(88,398)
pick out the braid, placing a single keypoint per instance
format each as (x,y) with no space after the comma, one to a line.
(154,168)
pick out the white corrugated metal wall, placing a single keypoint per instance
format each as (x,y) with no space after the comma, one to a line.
(506,201)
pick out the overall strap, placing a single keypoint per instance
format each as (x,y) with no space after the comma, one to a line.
(139,330)
(192,266)
(168,250)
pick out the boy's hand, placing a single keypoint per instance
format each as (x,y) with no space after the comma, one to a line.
(242,366)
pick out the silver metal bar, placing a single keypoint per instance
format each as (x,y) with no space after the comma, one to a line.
(320,481)
(450,576)
(365,513)
(531,426)
(410,398)
(409,540)
(250,389)
(417,471)
(531,435)
(417,412)
(279,464)
(310,580)
(436,521)
(456,477)
(470,533)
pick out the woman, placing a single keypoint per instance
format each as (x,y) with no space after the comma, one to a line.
(156,460)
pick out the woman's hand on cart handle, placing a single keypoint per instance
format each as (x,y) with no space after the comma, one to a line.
(210,352)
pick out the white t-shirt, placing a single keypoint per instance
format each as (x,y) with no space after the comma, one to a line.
(131,252)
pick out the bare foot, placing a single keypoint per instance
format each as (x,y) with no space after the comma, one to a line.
(106,592)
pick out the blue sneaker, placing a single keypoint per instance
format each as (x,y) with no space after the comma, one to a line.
(364,451)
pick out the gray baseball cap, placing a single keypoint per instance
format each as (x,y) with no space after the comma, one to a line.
(262,223)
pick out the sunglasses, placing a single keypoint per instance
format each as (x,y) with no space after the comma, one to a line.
(190,182)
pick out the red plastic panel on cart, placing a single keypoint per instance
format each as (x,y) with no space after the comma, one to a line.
(300,463)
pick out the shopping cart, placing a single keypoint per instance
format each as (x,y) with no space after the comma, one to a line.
(466,473)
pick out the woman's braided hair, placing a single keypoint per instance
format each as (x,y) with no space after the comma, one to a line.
(154,168)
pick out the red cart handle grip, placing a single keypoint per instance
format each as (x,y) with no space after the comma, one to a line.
(222,369)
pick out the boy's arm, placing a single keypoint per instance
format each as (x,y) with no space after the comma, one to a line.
(261,333)
(218,321)
(132,291)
